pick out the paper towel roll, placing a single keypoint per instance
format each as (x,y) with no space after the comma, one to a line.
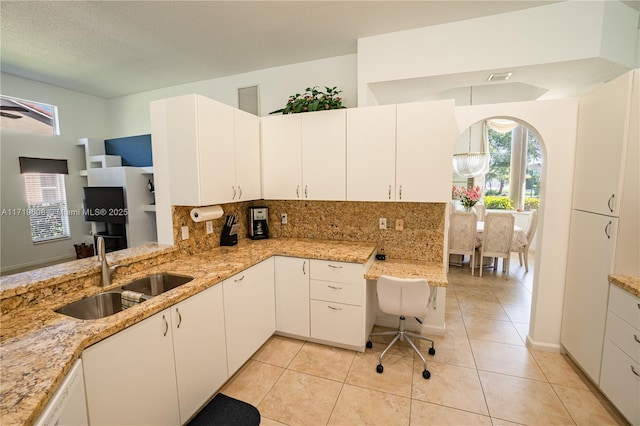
(201,214)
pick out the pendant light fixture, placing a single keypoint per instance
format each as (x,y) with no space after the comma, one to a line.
(470,164)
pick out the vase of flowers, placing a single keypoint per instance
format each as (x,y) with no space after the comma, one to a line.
(468,196)
(312,99)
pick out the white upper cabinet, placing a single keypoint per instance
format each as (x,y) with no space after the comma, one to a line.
(425,135)
(247,155)
(304,156)
(603,124)
(200,136)
(371,153)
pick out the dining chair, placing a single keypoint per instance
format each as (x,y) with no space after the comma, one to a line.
(530,231)
(496,239)
(480,211)
(462,236)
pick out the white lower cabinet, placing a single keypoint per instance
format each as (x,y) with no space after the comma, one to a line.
(161,370)
(292,295)
(249,307)
(620,372)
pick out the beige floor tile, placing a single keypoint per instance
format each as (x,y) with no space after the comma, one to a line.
(451,349)
(396,378)
(455,327)
(500,422)
(491,330)
(252,382)
(518,313)
(360,406)
(381,342)
(278,351)
(513,296)
(269,422)
(324,361)
(522,400)
(475,293)
(585,407)
(424,413)
(523,330)
(514,360)
(300,399)
(483,309)
(449,385)
(560,370)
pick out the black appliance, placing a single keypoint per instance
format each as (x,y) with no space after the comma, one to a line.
(258,223)
(229,235)
(104,204)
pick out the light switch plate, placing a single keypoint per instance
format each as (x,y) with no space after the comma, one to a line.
(185,232)
(399,224)
(209,226)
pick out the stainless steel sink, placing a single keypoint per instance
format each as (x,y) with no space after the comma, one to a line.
(153,285)
(94,307)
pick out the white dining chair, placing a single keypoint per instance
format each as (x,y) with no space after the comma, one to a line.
(480,211)
(462,236)
(496,239)
(530,231)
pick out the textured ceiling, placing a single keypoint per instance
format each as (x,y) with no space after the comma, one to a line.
(115,48)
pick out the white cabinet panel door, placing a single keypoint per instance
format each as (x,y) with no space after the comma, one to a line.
(371,153)
(585,300)
(200,349)
(247,156)
(426,134)
(282,157)
(324,155)
(292,295)
(130,377)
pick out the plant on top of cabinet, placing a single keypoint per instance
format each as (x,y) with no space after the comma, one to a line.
(313,100)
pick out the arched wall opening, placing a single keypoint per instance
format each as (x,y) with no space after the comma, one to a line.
(554,125)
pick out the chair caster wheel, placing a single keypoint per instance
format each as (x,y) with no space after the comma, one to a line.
(426,374)
(432,351)
(380,368)
(369,344)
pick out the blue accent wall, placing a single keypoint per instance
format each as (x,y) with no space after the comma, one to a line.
(135,151)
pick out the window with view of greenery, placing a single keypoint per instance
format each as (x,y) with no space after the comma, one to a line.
(47,206)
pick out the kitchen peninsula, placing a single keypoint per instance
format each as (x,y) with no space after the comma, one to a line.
(40,346)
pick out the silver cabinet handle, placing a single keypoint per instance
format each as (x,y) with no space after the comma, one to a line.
(389,191)
(237,280)
(166,326)
(240,190)
(333,308)
(607,230)
(334,288)
(297,191)
(179,318)
(610,203)
(400,192)
(303,266)
(305,191)
(335,267)
(635,336)
(634,371)
(233,188)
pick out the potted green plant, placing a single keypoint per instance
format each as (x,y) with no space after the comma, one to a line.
(312,99)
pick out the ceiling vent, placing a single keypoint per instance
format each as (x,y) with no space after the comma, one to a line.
(503,76)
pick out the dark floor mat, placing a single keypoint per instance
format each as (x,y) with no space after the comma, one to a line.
(223,410)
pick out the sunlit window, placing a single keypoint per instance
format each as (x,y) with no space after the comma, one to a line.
(47,206)
(28,116)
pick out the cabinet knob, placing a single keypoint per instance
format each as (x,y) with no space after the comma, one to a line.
(305,192)
(297,191)
(233,188)
(635,336)
(240,190)
(634,371)
(389,191)
(179,318)
(166,326)
(303,271)
(607,230)
(238,279)
(334,287)
(610,203)
(400,192)
(334,308)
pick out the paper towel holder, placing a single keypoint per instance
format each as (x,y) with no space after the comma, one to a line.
(201,214)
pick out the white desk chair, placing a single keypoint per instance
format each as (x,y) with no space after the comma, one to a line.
(405,297)
(496,239)
(529,232)
(462,236)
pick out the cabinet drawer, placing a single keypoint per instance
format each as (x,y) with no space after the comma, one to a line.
(336,322)
(340,272)
(351,294)
(623,336)
(619,382)
(625,305)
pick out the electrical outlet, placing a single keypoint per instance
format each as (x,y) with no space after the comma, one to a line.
(399,224)
(209,226)
(283,219)
(383,223)
(185,232)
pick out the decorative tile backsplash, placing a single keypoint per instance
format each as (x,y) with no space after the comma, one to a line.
(421,239)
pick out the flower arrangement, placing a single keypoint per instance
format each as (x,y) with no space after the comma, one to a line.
(468,197)
(312,100)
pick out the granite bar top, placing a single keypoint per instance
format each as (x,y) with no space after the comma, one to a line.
(627,283)
(38,346)
(434,273)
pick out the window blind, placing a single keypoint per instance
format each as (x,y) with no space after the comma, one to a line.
(43,165)
(47,206)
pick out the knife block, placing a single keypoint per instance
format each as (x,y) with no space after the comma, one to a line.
(229,235)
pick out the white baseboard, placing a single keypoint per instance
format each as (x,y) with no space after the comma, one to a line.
(546,347)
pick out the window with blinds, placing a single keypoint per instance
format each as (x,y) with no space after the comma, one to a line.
(47,206)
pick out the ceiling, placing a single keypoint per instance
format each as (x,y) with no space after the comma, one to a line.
(115,48)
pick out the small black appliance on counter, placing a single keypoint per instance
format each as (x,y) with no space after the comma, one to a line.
(229,235)
(258,223)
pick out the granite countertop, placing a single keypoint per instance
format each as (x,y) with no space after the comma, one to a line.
(627,283)
(433,272)
(39,346)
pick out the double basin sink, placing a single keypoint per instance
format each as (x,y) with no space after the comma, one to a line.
(110,302)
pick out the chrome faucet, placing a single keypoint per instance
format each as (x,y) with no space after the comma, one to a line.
(107,270)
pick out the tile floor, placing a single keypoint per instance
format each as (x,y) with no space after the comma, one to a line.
(482,373)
